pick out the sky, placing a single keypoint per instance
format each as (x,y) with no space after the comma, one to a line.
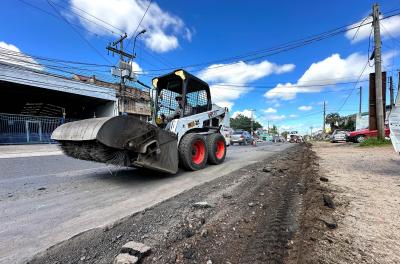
(225,43)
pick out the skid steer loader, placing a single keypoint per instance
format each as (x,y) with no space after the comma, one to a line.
(185,132)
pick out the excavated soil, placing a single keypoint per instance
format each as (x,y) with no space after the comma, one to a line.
(268,212)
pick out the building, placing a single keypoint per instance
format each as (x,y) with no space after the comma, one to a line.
(33,103)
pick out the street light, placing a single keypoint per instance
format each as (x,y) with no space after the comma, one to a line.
(134,42)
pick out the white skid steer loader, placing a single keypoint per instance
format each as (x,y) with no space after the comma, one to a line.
(186,130)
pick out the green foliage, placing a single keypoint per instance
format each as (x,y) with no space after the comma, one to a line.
(241,122)
(374,142)
(351,125)
(336,121)
(332,119)
(284,134)
(273,130)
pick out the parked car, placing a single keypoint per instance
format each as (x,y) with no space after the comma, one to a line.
(241,137)
(339,135)
(361,135)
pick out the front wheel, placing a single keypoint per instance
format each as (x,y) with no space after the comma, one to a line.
(216,148)
(360,138)
(193,152)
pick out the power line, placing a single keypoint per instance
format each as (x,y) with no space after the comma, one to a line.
(77,32)
(355,85)
(274,50)
(105,22)
(140,22)
(46,12)
(87,64)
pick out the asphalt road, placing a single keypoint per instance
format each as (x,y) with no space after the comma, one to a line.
(47,199)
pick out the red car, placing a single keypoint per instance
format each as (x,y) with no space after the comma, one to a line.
(360,135)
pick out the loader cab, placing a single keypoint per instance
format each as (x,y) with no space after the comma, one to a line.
(195,94)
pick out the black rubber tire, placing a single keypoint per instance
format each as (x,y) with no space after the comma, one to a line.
(360,138)
(186,152)
(212,148)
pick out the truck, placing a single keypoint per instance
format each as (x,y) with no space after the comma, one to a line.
(186,130)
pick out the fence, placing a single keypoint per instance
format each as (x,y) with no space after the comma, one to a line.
(25,129)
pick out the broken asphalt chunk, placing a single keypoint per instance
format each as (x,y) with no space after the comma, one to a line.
(125,258)
(329,222)
(202,205)
(328,201)
(136,249)
(267,169)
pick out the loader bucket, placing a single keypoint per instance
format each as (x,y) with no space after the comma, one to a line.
(121,140)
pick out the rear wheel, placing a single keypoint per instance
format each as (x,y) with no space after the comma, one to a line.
(216,148)
(193,152)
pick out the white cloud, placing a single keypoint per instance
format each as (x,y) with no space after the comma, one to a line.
(135,67)
(222,76)
(293,116)
(275,117)
(11,54)
(163,28)
(390,27)
(245,112)
(325,73)
(160,42)
(305,108)
(270,110)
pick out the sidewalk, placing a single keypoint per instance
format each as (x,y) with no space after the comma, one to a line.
(34,150)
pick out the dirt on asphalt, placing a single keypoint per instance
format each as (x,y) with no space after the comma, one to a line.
(268,212)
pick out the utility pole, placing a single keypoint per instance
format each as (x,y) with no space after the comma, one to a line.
(124,71)
(251,122)
(323,123)
(398,83)
(359,107)
(378,72)
(391,90)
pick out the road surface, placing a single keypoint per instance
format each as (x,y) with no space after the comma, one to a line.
(47,199)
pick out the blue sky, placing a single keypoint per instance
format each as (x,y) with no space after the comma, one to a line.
(285,89)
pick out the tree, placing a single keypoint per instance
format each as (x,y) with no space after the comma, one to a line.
(332,119)
(273,130)
(284,134)
(241,122)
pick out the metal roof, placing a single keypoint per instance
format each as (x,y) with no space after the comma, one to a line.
(31,77)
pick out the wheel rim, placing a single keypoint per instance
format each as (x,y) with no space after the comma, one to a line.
(198,152)
(220,151)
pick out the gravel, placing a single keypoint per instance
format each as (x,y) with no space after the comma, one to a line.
(230,231)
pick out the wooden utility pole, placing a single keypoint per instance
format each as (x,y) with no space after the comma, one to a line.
(124,72)
(378,73)
(252,122)
(359,107)
(398,84)
(391,90)
(324,116)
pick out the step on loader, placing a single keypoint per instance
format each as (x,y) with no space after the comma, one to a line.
(186,130)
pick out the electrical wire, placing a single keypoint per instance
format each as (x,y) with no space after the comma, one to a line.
(351,92)
(78,33)
(140,22)
(255,55)
(87,64)
(99,19)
